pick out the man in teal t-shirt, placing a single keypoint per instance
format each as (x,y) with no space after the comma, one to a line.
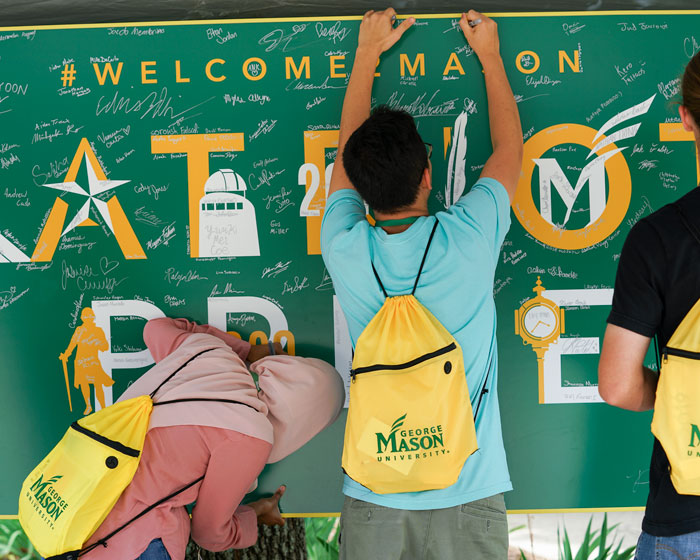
(383,161)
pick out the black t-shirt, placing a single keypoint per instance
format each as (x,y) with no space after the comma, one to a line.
(658,282)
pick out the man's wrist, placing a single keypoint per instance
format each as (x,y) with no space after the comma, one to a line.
(367,52)
(491,61)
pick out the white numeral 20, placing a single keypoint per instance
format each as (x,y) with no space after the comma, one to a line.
(305,210)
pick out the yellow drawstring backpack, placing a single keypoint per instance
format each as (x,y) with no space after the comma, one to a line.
(410,426)
(676,421)
(70,493)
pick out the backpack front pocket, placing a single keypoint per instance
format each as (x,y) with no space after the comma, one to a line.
(676,421)
(410,425)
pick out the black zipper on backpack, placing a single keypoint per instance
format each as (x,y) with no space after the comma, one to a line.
(106,441)
(405,365)
(681,353)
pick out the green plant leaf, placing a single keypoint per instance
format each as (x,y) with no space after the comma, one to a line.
(595,543)
(322,538)
(624,555)
(565,546)
(604,531)
(583,552)
(14,543)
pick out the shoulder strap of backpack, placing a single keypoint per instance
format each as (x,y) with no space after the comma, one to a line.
(378,280)
(656,353)
(103,541)
(203,400)
(178,369)
(425,254)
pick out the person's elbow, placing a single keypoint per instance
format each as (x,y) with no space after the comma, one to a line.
(510,154)
(517,162)
(216,545)
(518,152)
(622,380)
(611,390)
(620,390)
(224,539)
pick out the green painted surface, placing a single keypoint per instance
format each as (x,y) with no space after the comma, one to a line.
(567,453)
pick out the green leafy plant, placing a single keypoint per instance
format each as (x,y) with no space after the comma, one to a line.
(14,544)
(594,545)
(513,530)
(322,538)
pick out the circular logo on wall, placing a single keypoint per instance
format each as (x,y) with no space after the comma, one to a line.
(576,215)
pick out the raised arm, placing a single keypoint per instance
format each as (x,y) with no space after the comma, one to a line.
(377,34)
(506,133)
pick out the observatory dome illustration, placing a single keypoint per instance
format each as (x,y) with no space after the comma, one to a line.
(227,224)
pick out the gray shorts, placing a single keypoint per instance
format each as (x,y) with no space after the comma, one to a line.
(477,530)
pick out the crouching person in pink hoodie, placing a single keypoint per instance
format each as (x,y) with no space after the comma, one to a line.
(227,444)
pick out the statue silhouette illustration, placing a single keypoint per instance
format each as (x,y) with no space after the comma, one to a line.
(89,339)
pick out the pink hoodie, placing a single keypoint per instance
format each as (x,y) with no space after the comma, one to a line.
(227,443)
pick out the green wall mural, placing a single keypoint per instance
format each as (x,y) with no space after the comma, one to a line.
(180,169)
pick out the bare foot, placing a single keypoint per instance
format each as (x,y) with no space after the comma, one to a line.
(88,410)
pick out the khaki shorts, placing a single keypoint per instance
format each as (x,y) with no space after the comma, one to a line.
(477,530)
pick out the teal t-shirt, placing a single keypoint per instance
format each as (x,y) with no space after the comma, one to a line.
(456,285)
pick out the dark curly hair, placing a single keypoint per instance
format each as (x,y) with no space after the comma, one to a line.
(385,159)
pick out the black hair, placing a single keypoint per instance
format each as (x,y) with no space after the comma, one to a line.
(690,88)
(385,159)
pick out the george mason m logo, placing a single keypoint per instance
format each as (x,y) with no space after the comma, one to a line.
(577,216)
(694,440)
(408,445)
(46,500)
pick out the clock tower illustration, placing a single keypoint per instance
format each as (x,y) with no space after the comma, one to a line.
(539,322)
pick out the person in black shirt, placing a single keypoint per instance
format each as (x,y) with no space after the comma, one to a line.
(658,282)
